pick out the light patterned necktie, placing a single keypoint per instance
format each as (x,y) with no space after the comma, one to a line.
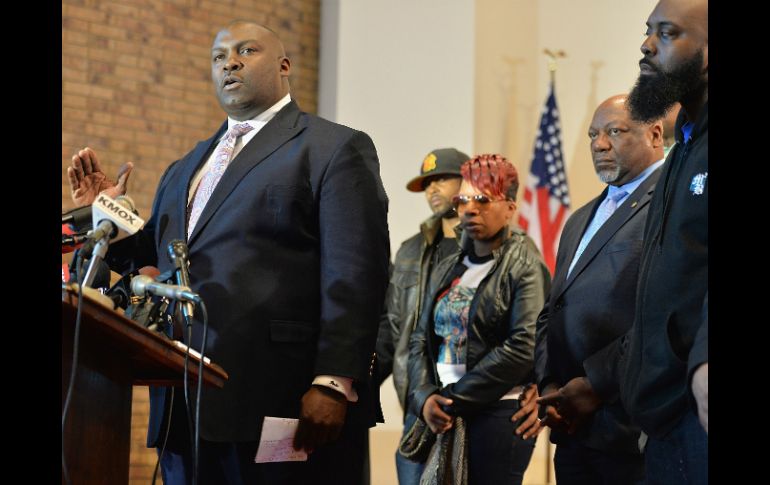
(605,210)
(222,156)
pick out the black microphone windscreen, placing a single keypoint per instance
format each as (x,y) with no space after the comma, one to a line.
(102,276)
(121,290)
(79,219)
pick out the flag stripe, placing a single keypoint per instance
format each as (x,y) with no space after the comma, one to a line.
(546,204)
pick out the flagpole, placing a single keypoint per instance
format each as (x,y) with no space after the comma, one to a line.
(552,55)
(552,66)
(546,205)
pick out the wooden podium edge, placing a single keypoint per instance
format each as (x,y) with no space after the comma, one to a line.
(156,347)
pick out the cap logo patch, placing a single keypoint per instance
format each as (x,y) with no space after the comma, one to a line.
(429,163)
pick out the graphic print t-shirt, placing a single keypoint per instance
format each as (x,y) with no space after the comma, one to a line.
(450,318)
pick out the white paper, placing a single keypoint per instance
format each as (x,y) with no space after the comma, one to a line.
(275,444)
(193,352)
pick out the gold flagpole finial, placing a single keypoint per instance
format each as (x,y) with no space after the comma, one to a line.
(552,55)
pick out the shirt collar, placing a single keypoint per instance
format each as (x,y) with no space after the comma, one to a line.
(687,131)
(629,187)
(261,119)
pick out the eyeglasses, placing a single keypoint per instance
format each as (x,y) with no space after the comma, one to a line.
(480,199)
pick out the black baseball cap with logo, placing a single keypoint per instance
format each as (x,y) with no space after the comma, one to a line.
(442,161)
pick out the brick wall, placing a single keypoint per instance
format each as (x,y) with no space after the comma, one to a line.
(136,78)
(136,87)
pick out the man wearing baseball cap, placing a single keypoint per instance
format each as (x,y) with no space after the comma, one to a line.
(440,180)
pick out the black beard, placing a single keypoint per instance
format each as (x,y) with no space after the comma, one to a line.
(653,95)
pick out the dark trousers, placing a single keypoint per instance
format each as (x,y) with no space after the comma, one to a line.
(576,464)
(681,457)
(340,462)
(496,455)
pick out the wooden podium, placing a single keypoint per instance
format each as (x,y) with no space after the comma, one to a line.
(114,354)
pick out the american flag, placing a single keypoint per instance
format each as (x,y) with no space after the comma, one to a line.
(546,203)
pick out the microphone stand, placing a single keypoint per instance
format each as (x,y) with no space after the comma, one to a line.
(100,251)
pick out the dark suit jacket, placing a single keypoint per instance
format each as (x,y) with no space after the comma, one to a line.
(290,256)
(594,306)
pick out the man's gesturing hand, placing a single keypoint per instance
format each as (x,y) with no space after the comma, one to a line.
(87,179)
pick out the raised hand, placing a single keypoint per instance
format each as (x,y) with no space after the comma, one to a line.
(87,179)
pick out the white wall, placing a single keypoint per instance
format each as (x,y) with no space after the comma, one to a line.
(601,39)
(403,73)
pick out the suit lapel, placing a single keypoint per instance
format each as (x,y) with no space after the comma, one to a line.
(578,224)
(633,204)
(275,133)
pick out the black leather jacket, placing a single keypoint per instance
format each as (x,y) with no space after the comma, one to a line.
(501,329)
(405,293)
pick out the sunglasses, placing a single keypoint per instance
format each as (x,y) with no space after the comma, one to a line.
(480,199)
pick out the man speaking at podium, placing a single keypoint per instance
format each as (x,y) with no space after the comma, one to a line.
(284,214)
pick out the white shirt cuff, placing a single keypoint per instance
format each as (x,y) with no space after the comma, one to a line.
(339,384)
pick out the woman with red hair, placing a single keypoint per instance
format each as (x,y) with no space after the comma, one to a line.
(472,353)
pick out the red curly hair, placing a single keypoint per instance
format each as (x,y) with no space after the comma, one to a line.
(493,175)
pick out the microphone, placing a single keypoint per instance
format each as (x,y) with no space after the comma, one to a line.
(150,271)
(104,229)
(71,240)
(79,218)
(112,220)
(120,292)
(102,276)
(144,311)
(179,256)
(142,285)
